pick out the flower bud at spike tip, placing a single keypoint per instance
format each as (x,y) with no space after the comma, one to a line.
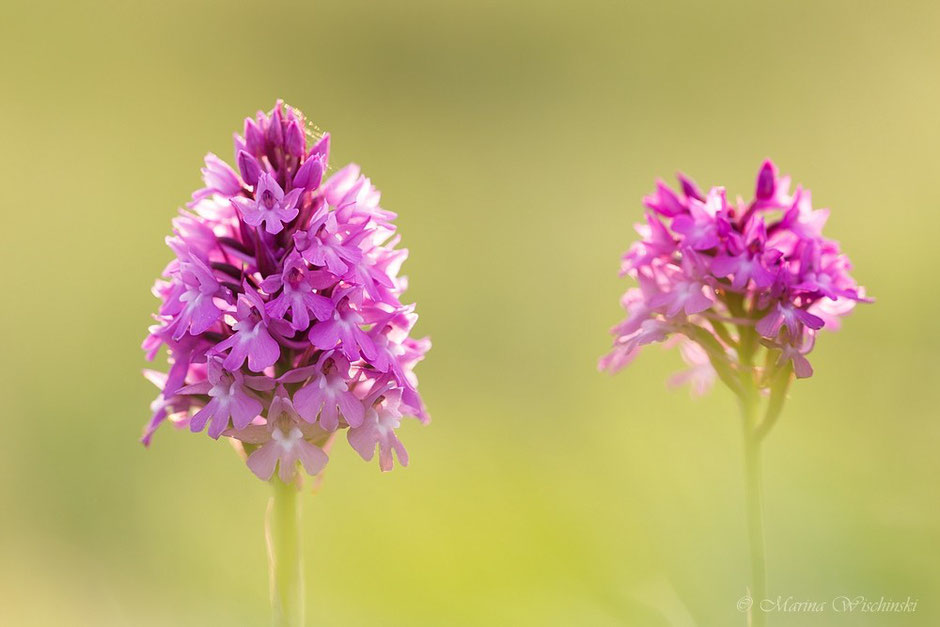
(322,148)
(254,138)
(249,168)
(295,139)
(766,181)
(310,174)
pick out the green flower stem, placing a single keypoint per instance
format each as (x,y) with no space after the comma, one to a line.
(285,562)
(742,378)
(755,515)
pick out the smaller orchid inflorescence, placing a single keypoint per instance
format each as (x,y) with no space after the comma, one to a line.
(281,311)
(726,280)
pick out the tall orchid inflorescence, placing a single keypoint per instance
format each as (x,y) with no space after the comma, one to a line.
(281,311)
(743,288)
(729,279)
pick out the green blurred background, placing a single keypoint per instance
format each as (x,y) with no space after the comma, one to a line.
(515,139)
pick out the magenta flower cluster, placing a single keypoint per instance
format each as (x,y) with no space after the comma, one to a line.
(725,279)
(281,311)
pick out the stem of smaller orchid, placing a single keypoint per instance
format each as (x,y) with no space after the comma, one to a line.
(285,562)
(754,431)
(755,515)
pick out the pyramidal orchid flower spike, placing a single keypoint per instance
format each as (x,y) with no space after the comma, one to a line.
(743,289)
(282,318)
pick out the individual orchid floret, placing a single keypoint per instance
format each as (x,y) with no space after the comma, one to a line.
(666,202)
(191,299)
(794,354)
(745,259)
(789,315)
(283,442)
(700,375)
(326,395)
(699,227)
(344,328)
(219,179)
(378,427)
(230,399)
(322,244)
(269,206)
(627,347)
(281,309)
(688,289)
(299,293)
(175,408)
(251,337)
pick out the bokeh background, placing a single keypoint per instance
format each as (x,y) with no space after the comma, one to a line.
(515,139)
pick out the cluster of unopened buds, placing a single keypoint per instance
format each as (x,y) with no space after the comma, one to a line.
(729,280)
(281,310)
